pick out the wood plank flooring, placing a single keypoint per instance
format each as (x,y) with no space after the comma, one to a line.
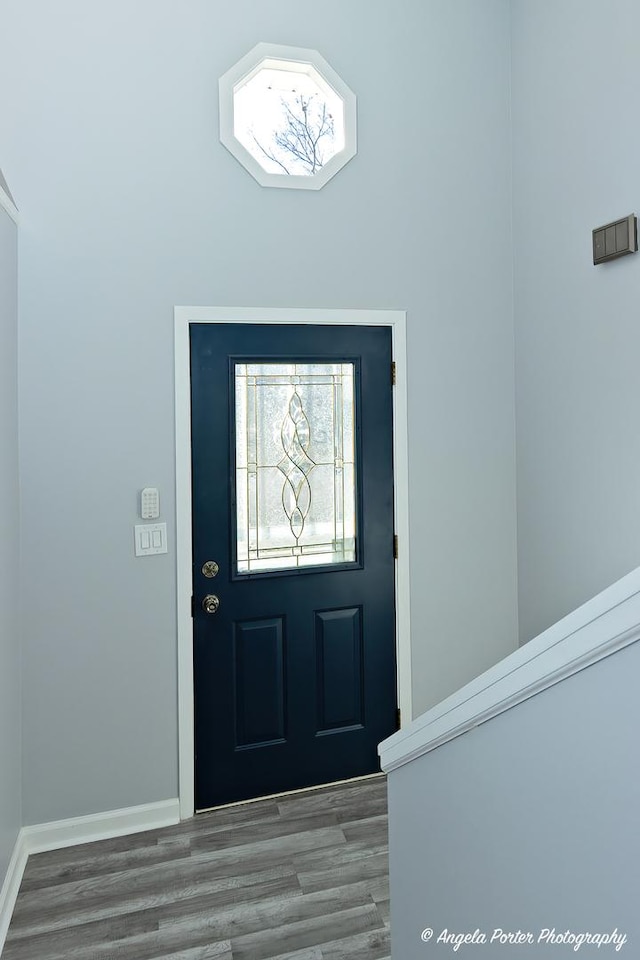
(302,877)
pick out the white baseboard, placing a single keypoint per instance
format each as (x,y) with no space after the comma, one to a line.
(70,833)
(101,826)
(11,885)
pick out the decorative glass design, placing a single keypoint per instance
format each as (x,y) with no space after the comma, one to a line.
(295,465)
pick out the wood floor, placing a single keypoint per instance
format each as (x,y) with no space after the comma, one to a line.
(302,877)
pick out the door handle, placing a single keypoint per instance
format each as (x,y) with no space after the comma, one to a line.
(211,603)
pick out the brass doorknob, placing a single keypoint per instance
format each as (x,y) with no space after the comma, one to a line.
(211,603)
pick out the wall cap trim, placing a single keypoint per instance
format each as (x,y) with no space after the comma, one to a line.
(8,205)
(605,624)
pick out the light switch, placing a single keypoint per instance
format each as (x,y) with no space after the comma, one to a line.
(622,236)
(150,538)
(598,246)
(615,239)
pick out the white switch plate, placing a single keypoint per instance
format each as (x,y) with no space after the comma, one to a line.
(151,538)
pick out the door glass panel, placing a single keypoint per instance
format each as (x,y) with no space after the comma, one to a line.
(295,465)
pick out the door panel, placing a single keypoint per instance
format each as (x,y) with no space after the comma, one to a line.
(295,678)
(259,682)
(339,671)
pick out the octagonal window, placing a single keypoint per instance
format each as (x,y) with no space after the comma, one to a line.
(287,117)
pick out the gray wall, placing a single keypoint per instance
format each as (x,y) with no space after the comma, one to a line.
(576,143)
(10,745)
(131,205)
(529,821)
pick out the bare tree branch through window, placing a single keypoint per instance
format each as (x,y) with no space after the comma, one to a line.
(303,139)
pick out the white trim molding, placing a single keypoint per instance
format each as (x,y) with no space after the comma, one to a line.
(8,205)
(101,826)
(70,833)
(184,316)
(602,626)
(11,885)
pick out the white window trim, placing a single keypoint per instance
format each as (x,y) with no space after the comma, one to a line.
(243,70)
(184,317)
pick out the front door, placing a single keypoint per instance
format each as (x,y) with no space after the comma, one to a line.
(293,569)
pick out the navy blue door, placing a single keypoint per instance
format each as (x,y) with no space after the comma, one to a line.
(293,568)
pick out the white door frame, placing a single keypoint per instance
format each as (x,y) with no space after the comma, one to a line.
(184,316)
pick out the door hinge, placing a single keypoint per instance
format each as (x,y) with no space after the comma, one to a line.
(398,718)
(395,546)
(393,373)
(193,605)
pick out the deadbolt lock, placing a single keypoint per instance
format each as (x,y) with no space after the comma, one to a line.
(211,603)
(210,569)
